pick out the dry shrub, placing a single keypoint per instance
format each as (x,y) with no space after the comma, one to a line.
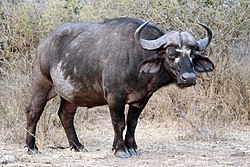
(14,83)
(219,99)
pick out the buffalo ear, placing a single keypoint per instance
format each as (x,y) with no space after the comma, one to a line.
(202,63)
(150,66)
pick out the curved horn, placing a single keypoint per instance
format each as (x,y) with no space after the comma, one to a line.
(203,43)
(148,44)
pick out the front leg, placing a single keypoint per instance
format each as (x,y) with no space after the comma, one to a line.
(132,120)
(116,108)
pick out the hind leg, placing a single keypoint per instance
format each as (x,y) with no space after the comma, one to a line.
(66,113)
(41,89)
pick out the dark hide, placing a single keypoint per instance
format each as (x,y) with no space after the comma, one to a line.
(93,64)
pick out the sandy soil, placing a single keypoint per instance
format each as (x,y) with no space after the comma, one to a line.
(160,145)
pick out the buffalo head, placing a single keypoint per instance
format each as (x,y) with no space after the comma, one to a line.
(176,52)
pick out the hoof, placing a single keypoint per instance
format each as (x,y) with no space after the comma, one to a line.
(134,151)
(83,150)
(34,151)
(78,149)
(122,154)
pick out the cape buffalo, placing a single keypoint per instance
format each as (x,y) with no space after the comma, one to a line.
(116,62)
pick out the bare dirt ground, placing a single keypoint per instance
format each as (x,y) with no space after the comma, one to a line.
(160,145)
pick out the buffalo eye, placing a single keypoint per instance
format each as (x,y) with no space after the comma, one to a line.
(172,53)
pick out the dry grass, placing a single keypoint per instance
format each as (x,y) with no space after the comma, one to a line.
(159,146)
(220,100)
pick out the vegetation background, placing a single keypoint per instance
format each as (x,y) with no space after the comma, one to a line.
(218,103)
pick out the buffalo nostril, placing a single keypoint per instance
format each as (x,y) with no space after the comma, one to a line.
(187,77)
(183,78)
